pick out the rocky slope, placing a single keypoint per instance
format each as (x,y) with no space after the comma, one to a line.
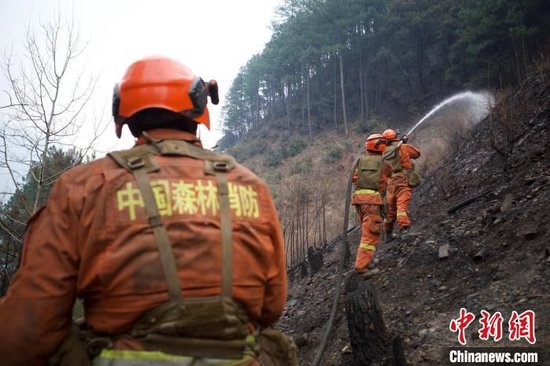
(488,208)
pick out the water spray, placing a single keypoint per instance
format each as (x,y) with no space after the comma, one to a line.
(480,105)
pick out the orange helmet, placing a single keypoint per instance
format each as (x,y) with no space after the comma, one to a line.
(390,135)
(375,143)
(160,82)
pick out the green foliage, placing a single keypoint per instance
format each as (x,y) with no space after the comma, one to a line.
(296,146)
(302,167)
(31,195)
(274,159)
(496,37)
(228,140)
(274,176)
(333,154)
(396,54)
(246,151)
(373,125)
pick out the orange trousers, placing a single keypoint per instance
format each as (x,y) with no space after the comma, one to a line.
(371,221)
(398,197)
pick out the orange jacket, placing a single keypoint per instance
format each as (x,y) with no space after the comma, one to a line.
(92,241)
(372,198)
(406,154)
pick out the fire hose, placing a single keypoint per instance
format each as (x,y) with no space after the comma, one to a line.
(344,253)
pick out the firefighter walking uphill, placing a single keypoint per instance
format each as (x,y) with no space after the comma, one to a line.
(370,179)
(176,251)
(399,190)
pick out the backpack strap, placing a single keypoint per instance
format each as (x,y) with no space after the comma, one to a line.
(138,167)
(391,155)
(139,162)
(220,170)
(219,166)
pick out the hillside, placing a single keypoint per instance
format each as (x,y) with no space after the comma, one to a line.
(489,203)
(306,177)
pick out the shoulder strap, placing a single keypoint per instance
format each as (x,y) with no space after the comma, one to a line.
(391,155)
(217,165)
(138,167)
(220,172)
(138,161)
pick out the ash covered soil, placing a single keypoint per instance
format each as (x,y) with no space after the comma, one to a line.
(489,205)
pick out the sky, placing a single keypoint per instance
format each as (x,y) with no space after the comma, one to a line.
(215,38)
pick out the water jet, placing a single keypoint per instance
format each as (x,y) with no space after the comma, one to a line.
(479,105)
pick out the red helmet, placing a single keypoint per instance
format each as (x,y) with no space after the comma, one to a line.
(390,135)
(375,143)
(160,82)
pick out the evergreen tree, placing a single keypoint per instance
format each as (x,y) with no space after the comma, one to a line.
(16,212)
(330,61)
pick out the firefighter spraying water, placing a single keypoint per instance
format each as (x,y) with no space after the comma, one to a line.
(399,154)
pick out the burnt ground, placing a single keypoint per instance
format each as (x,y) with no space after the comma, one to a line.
(490,204)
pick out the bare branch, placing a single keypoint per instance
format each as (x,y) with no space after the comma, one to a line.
(47,98)
(9,168)
(7,229)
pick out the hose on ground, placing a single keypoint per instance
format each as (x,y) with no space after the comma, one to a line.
(344,252)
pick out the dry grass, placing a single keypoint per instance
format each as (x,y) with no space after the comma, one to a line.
(308,188)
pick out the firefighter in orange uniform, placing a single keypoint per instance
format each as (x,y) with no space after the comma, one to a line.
(176,251)
(399,190)
(370,179)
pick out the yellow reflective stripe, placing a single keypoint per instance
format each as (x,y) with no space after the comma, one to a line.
(251,340)
(367,246)
(120,354)
(401,213)
(109,357)
(365,191)
(388,221)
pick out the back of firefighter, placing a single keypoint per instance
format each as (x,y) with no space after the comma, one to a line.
(144,230)
(370,179)
(399,192)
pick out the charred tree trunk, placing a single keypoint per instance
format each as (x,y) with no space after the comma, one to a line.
(370,342)
(315,259)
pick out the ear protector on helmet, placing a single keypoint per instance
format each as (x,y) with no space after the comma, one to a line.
(375,143)
(198,94)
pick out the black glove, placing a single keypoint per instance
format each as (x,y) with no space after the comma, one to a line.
(383,210)
(404,139)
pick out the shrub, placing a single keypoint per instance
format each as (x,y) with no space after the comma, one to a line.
(228,140)
(296,146)
(274,159)
(302,167)
(373,126)
(333,154)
